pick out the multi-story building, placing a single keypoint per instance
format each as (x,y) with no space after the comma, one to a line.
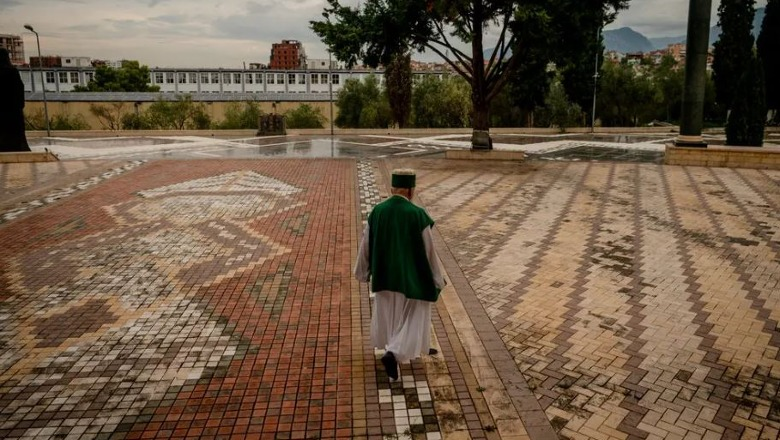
(15,47)
(321,64)
(46,61)
(261,84)
(288,54)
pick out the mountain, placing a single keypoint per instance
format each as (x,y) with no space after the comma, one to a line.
(625,40)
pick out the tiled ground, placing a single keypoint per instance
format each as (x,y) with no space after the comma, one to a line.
(214,298)
(639,301)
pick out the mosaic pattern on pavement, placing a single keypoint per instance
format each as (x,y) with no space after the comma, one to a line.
(639,301)
(184,304)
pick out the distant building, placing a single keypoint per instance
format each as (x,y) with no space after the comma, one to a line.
(46,61)
(321,64)
(15,47)
(115,64)
(634,58)
(288,54)
(677,51)
(258,66)
(76,61)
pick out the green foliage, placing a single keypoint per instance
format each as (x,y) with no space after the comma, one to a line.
(398,84)
(132,121)
(768,45)
(180,114)
(441,103)
(109,116)
(241,115)
(558,110)
(528,30)
(304,116)
(36,120)
(628,98)
(131,77)
(362,105)
(734,49)
(669,78)
(748,114)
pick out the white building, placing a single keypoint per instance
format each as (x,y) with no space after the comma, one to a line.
(76,61)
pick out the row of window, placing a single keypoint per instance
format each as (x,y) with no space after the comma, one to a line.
(68,77)
(236,78)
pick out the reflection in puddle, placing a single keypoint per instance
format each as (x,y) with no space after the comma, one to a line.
(105,142)
(317,148)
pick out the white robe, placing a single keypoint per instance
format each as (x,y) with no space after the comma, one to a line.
(399,324)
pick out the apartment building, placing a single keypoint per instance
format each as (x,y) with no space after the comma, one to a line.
(15,47)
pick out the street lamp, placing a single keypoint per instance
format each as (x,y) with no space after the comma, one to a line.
(595,80)
(43,83)
(330,90)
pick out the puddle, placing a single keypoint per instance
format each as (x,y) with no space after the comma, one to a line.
(312,148)
(602,154)
(105,142)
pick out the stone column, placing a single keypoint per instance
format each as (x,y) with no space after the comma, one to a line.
(696,47)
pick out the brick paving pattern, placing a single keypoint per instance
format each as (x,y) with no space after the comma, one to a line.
(215,298)
(639,301)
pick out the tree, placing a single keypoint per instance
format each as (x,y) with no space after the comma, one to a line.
(398,84)
(769,51)
(559,110)
(734,48)
(669,78)
(180,114)
(241,115)
(304,116)
(362,104)
(131,77)
(627,98)
(441,103)
(109,116)
(748,114)
(379,29)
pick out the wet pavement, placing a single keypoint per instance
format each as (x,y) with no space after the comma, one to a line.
(213,298)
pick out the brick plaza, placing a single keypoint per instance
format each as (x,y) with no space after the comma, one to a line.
(213,298)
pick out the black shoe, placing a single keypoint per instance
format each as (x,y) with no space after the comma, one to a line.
(391,366)
(433,351)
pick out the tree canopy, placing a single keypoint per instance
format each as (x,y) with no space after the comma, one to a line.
(734,48)
(379,29)
(131,77)
(768,44)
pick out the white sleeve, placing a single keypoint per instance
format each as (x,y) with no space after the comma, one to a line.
(433,259)
(362,272)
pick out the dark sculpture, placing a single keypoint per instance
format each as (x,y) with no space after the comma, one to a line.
(12,137)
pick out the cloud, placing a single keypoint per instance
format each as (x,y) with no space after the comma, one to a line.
(8,4)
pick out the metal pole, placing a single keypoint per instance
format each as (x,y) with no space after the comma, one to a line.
(330,88)
(595,80)
(696,48)
(43,83)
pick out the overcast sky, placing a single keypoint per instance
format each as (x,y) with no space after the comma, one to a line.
(222,33)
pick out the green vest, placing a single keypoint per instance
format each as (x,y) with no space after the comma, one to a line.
(398,261)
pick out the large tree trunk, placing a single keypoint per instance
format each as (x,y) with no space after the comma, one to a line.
(480,138)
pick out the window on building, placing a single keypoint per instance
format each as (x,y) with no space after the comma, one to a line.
(193,78)
(335,78)
(270,78)
(225,78)
(324,78)
(204,78)
(291,78)
(158,77)
(301,78)
(280,78)
(237,78)
(315,78)
(169,77)
(249,79)
(89,76)
(74,77)
(215,78)
(63,77)
(259,78)
(182,78)
(50,77)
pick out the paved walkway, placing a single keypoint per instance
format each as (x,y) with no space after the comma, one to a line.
(214,298)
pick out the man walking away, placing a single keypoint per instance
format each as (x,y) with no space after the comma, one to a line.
(397,255)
